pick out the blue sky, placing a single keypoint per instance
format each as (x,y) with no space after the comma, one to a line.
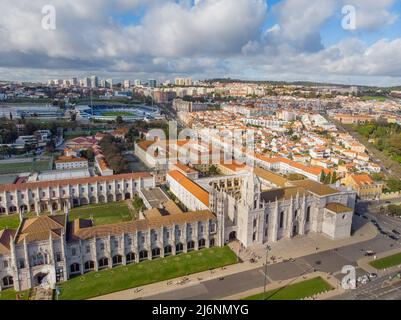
(249,39)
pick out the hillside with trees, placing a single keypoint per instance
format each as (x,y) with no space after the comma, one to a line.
(112,150)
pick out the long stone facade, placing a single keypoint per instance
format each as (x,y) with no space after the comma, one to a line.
(52,196)
(50,249)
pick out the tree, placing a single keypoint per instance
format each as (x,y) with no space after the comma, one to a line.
(88,154)
(214,170)
(119,119)
(327,179)
(322,176)
(50,147)
(138,203)
(334,177)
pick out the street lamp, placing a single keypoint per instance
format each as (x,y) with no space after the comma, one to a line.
(265,284)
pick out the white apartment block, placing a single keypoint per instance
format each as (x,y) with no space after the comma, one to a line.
(64,163)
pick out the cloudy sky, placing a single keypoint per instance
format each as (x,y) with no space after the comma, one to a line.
(161,39)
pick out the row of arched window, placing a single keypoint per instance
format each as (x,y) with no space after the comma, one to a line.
(130,257)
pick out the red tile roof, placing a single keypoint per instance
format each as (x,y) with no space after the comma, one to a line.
(191,186)
(55,183)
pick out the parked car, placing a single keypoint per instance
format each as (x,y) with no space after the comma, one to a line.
(372,276)
(363,279)
(393,237)
(369,253)
(396,232)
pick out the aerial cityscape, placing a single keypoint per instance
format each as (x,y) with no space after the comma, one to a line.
(230,150)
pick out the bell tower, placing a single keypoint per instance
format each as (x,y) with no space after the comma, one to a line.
(251,190)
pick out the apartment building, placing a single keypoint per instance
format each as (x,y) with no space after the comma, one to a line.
(68,162)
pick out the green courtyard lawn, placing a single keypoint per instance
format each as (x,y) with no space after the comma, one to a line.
(138,274)
(295,291)
(10,294)
(7,168)
(387,262)
(12,221)
(105,213)
(9,222)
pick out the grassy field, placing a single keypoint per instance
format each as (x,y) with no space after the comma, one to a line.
(106,213)
(387,262)
(10,294)
(10,222)
(135,275)
(6,168)
(295,291)
(116,114)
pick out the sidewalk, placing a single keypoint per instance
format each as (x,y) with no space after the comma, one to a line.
(312,243)
(178,283)
(284,249)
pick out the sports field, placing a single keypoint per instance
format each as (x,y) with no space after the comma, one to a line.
(34,166)
(116,114)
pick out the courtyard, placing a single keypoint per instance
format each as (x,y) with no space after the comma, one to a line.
(12,221)
(105,213)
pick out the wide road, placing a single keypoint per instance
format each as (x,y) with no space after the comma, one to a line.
(330,261)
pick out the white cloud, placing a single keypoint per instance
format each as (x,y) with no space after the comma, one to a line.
(203,37)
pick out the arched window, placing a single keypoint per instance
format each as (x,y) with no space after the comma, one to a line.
(167,250)
(308,214)
(190,245)
(117,259)
(103,262)
(38,259)
(74,268)
(155,252)
(130,257)
(201,243)
(8,281)
(143,255)
(89,265)
(179,248)
(281,219)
